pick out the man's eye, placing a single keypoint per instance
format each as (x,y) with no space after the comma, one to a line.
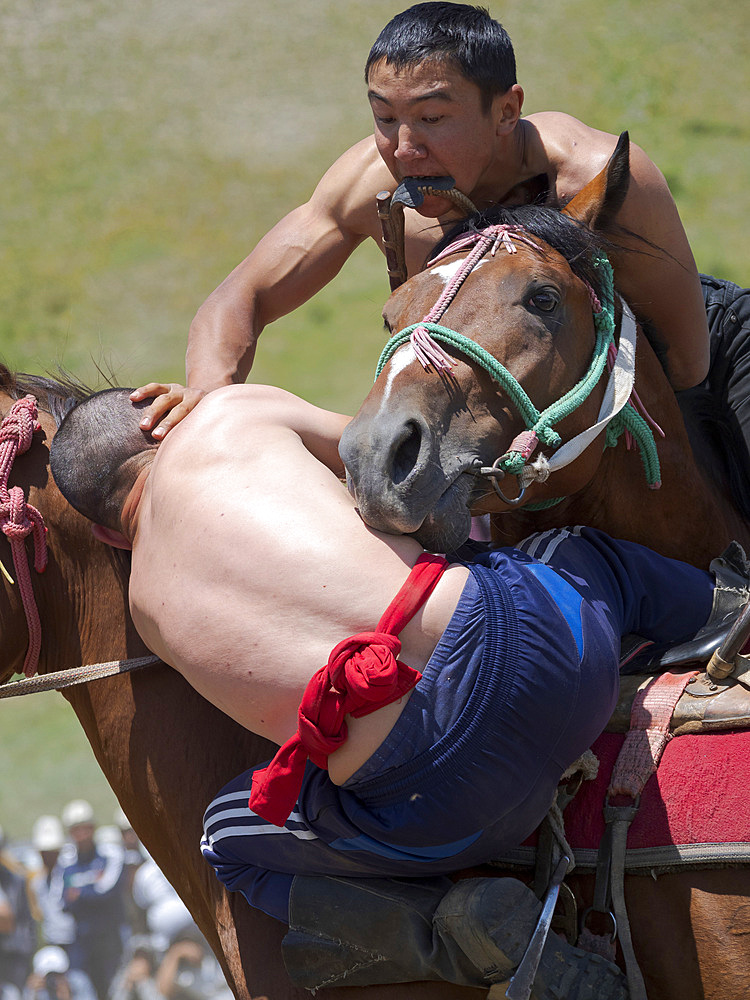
(545,300)
(432,119)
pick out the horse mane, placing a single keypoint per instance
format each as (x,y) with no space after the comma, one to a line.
(578,244)
(55,395)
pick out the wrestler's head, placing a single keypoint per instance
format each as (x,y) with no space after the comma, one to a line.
(98,453)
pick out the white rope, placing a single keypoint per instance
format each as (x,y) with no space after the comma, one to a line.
(587,765)
(75,675)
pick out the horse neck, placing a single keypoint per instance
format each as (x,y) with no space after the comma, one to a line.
(617,500)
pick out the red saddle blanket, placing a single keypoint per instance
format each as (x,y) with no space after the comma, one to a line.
(698,796)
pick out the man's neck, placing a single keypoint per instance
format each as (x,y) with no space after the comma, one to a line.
(511,170)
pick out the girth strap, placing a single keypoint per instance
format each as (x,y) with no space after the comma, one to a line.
(363,674)
(638,759)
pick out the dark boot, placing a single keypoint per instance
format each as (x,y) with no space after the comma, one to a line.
(362,932)
(731,571)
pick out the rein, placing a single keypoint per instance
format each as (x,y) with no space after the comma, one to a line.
(616,413)
(75,675)
(18,519)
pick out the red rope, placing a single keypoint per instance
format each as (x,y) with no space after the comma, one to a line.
(363,674)
(19,519)
(644,745)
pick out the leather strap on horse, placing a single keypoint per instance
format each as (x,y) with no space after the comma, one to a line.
(638,759)
(19,519)
(363,674)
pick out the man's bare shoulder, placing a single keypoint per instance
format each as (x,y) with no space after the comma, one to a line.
(576,152)
(221,415)
(235,423)
(349,188)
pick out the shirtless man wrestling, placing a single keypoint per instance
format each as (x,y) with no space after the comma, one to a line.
(441,82)
(436,750)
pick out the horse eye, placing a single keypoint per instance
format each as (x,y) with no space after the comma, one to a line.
(545,300)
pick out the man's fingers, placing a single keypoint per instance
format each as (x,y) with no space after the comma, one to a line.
(169,407)
(151,389)
(174,416)
(160,406)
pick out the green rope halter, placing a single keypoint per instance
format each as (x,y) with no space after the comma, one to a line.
(541,424)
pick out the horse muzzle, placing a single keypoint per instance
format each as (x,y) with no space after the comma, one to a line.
(400,483)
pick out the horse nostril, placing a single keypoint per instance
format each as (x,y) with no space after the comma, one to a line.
(406,454)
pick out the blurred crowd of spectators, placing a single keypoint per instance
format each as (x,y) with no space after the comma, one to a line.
(86,914)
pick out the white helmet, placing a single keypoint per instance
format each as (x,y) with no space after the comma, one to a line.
(51,958)
(77,812)
(47,834)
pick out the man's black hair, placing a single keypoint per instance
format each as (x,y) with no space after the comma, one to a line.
(454,32)
(97,453)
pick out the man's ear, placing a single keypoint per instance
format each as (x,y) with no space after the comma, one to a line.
(507,109)
(111,537)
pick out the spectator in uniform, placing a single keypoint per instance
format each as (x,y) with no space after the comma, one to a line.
(48,839)
(92,892)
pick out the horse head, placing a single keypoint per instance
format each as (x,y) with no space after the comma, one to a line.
(517,297)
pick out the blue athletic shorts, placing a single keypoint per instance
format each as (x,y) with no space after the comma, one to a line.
(523,680)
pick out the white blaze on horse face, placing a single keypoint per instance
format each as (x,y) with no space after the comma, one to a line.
(447,271)
(403,357)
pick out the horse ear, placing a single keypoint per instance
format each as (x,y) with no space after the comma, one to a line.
(111,537)
(597,204)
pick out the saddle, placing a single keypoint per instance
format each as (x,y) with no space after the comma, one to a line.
(698,686)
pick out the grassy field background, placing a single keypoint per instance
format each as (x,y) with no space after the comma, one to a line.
(148,145)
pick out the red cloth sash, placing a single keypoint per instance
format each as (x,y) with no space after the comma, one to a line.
(363,674)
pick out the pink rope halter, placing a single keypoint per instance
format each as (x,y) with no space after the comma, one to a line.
(19,519)
(428,351)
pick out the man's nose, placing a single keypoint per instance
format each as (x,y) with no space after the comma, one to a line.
(409,145)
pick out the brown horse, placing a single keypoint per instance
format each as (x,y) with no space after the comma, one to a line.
(164,749)
(413,448)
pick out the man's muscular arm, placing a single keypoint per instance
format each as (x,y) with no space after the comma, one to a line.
(292,262)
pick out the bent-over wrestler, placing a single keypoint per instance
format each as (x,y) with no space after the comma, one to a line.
(403,757)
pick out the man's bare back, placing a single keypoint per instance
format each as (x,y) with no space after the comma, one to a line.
(259,600)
